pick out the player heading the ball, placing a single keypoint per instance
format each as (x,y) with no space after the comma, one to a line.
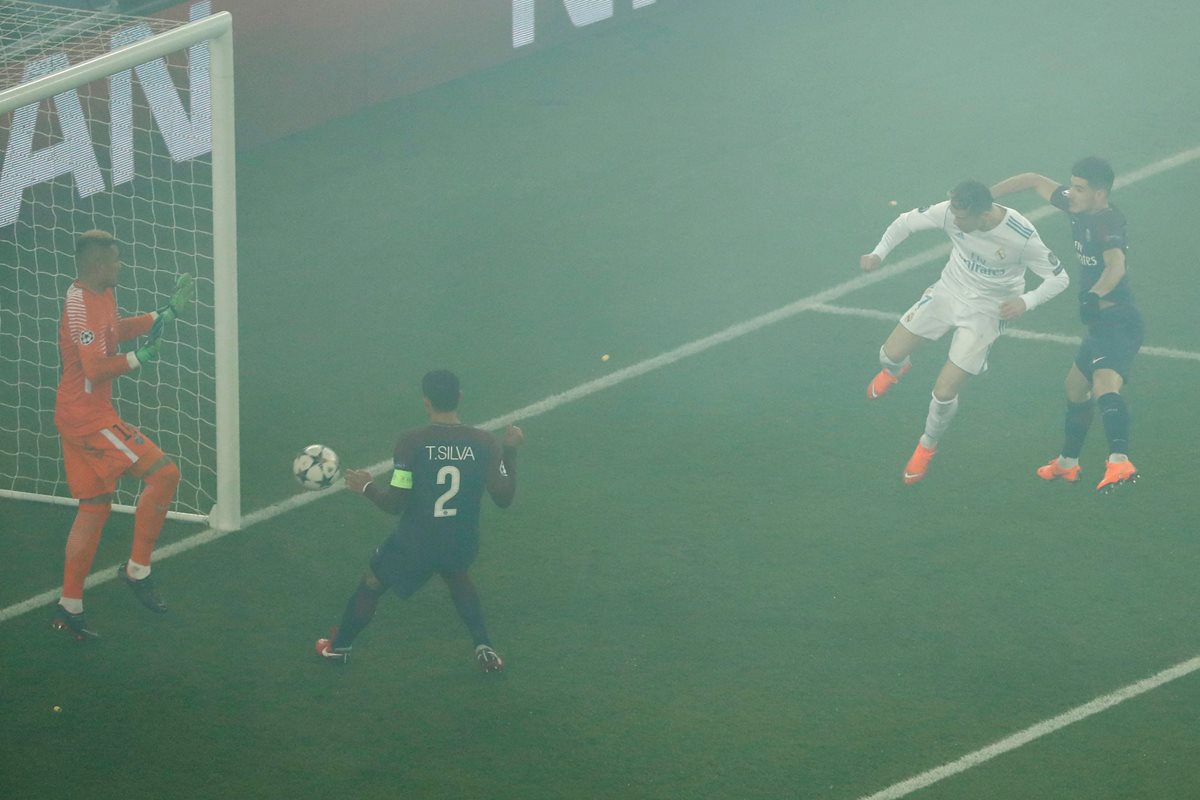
(981,289)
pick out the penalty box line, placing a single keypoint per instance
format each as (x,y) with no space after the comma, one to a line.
(810,303)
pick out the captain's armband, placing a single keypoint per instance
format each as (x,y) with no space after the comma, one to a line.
(402,479)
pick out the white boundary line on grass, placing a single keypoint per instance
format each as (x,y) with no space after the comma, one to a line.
(930,777)
(1015,333)
(817,302)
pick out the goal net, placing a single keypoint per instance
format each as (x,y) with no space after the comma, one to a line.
(123,124)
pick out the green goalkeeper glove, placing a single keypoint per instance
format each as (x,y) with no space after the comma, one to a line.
(148,352)
(185,289)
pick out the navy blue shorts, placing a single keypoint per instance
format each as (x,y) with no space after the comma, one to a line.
(408,558)
(1111,342)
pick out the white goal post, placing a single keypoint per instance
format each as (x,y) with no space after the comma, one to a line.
(27,376)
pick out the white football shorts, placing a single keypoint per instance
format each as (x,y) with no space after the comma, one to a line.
(938,311)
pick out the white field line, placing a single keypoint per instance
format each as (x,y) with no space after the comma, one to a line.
(1016,333)
(809,303)
(917,782)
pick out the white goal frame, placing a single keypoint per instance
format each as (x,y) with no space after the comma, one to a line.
(217,29)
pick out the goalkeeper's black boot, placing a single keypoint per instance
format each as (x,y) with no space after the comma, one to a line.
(143,590)
(75,625)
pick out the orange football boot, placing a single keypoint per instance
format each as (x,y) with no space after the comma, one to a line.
(885,380)
(918,465)
(1053,470)
(1117,473)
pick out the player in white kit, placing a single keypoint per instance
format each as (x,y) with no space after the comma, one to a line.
(981,288)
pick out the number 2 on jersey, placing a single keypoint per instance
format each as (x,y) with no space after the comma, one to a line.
(447,472)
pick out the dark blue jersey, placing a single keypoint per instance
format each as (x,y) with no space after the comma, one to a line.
(447,468)
(1095,233)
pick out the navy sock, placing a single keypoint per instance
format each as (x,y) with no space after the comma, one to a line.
(359,611)
(1115,414)
(1079,419)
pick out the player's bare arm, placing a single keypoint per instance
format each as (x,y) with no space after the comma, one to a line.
(389,499)
(502,480)
(513,436)
(870,262)
(357,480)
(1027,180)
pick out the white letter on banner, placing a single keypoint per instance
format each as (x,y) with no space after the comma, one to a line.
(582,12)
(185,138)
(24,168)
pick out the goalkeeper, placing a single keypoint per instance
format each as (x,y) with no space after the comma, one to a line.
(98,446)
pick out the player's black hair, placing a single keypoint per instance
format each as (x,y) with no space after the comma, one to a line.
(972,196)
(1096,171)
(440,387)
(93,239)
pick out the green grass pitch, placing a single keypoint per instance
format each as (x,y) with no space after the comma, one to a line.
(713,583)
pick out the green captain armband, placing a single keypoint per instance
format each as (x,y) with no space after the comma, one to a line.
(402,479)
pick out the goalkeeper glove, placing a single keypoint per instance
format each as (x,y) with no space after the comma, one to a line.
(1089,307)
(185,288)
(147,352)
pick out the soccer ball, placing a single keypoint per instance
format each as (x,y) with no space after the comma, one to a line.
(315,467)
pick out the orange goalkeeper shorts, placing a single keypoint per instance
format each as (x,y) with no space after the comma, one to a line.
(94,462)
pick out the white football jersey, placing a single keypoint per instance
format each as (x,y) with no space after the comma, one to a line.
(986,268)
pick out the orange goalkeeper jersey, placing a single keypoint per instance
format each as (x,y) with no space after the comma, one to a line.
(87,340)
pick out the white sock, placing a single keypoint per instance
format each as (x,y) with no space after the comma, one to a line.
(891,366)
(1117,458)
(940,414)
(136,571)
(1067,463)
(71,604)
